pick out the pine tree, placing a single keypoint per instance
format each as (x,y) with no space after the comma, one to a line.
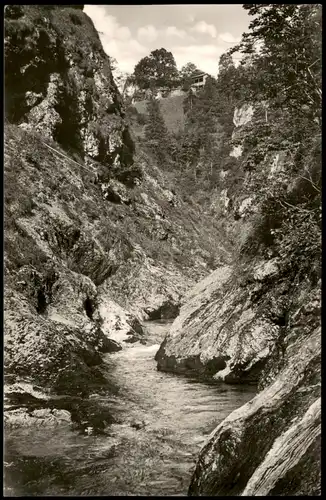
(188,101)
(156,133)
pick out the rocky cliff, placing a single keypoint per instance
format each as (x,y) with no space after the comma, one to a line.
(58,82)
(95,238)
(245,330)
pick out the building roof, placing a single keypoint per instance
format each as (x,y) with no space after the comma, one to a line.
(197,75)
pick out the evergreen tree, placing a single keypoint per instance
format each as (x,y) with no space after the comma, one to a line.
(186,74)
(156,133)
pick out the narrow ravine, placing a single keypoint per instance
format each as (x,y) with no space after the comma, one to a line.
(160,423)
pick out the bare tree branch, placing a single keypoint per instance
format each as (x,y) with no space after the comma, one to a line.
(311,182)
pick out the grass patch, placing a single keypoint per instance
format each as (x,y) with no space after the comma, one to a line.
(172,112)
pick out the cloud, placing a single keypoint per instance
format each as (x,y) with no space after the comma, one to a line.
(147,33)
(229,38)
(174,31)
(204,28)
(116,39)
(183,40)
(107,24)
(205,57)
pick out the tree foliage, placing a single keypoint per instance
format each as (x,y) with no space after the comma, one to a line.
(159,69)
(156,133)
(283,56)
(281,70)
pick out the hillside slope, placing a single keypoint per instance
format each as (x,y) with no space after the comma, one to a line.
(171,108)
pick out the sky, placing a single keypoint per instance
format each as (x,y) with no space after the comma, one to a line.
(193,33)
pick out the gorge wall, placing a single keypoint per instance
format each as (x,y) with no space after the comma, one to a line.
(95,238)
(256,321)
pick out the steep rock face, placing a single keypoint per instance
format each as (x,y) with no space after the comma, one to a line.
(146,290)
(284,423)
(225,329)
(59,82)
(243,115)
(53,264)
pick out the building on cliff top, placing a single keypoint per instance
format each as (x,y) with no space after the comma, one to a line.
(198,80)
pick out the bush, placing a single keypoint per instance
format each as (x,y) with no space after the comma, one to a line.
(75,18)
(22,250)
(27,205)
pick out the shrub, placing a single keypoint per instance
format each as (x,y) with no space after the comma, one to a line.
(75,18)
(26,206)
(22,250)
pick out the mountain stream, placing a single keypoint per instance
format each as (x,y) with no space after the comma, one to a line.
(159,423)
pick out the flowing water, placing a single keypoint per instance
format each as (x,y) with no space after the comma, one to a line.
(161,422)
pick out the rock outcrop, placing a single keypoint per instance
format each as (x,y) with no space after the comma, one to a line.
(283,422)
(50,335)
(254,324)
(222,332)
(59,83)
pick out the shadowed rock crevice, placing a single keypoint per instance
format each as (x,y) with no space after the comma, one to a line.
(167,310)
(41,302)
(89,307)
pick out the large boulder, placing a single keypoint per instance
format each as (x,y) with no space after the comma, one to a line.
(284,423)
(223,330)
(118,324)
